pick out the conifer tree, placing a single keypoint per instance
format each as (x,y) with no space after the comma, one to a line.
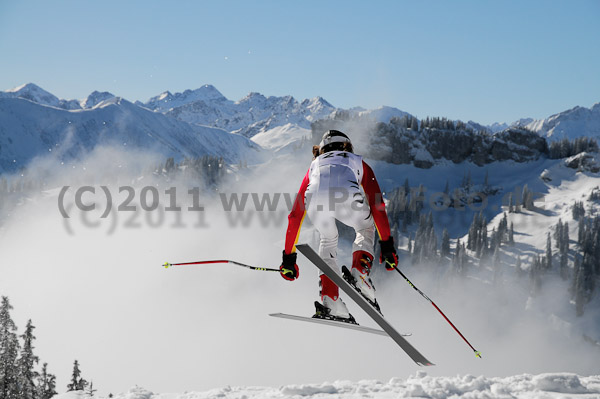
(77,383)
(26,374)
(46,386)
(535,274)
(9,350)
(548,252)
(445,243)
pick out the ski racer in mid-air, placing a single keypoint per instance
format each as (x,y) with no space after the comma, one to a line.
(332,190)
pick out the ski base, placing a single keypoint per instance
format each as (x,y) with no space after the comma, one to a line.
(327,322)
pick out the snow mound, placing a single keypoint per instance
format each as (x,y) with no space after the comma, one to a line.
(563,383)
(550,385)
(308,390)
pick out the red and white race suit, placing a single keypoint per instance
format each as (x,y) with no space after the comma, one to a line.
(339,185)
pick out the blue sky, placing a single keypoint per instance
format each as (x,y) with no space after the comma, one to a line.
(482,60)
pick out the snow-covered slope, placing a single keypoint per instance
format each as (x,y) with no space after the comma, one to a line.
(28,129)
(526,386)
(383,114)
(281,136)
(570,124)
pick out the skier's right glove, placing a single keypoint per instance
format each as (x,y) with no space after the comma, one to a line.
(289,269)
(388,254)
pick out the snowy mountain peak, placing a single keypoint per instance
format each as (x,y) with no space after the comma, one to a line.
(167,94)
(570,124)
(96,98)
(167,101)
(33,92)
(25,87)
(252,97)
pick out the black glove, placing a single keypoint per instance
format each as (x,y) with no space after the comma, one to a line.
(289,269)
(388,254)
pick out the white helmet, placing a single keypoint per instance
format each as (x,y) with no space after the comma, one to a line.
(334,140)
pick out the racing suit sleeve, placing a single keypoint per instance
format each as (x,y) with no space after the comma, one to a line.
(296,217)
(375,199)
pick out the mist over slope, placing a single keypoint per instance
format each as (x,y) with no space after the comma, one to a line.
(129,319)
(96,290)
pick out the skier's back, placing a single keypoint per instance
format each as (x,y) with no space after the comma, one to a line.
(340,185)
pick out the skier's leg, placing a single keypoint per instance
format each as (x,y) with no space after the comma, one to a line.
(324,222)
(359,217)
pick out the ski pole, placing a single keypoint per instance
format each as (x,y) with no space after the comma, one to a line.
(477,353)
(206,262)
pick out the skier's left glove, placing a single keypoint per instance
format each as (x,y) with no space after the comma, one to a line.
(388,254)
(289,269)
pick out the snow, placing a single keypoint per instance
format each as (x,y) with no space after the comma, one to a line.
(281,136)
(29,129)
(383,114)
(570,124)
(526,386)
(96,98)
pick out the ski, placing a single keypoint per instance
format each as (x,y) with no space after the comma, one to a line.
(333,323)
(413,353)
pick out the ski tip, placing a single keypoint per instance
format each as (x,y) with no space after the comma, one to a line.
(166,265)
(425,364)
(478,354)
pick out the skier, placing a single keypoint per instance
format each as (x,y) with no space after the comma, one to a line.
(331,190)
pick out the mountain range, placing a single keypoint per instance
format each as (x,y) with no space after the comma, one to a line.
(200,122)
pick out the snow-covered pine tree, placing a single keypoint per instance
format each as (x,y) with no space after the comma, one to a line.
(46,386)
(9,350)
(445,251)
(548,252)
(77,383)
(578,210)
(26,374)
(558,234)
(535,274)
